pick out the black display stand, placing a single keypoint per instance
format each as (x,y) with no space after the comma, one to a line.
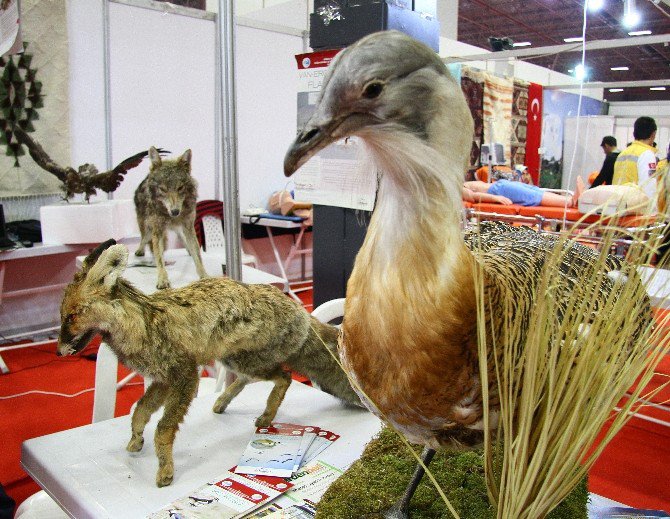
(338,234)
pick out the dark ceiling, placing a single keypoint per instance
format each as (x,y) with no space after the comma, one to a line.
(547,22)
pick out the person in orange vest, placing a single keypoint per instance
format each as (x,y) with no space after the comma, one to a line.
(637,163)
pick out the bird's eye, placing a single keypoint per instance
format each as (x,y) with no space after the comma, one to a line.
(373,89)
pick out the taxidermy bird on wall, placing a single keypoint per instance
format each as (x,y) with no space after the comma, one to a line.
(426,311)
(86,179)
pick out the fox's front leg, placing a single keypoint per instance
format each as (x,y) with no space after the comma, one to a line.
(147,405)
(180,395)
(157,246)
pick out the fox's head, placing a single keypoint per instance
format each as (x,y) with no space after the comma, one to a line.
(86,302)
(170,181)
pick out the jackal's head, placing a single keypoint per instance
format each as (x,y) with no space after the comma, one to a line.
(86,302)
(170,181)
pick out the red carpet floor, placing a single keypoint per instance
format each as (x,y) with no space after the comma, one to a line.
(634,469)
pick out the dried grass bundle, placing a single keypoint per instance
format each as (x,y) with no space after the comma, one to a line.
(560,371)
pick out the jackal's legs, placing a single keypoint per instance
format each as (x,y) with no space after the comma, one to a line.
(180,395)
(145,236)
(231,392)
(282,381)
(158,246)
(147,405)
(191,243)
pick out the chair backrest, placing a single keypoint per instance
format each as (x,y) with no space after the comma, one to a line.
(205,208)
(212,233)
(330,310)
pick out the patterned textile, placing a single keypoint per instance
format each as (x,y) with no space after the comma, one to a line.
(195,4)
(44,25)
(519,122)
(498,95)
(472,84)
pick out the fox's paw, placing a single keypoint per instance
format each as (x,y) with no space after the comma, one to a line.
(263,420)
(139,252)
(135,444)
(163,283)
(219,407)
(165,475)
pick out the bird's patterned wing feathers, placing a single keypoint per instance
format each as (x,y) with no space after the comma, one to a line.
(39,155)
(110,180)
(514,257)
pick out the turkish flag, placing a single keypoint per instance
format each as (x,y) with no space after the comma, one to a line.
(534,131)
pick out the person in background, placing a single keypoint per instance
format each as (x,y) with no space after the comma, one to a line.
(637,163)
(512,192)
(663,179)
(608,145)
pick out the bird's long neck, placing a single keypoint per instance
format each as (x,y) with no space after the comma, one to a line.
(416,228)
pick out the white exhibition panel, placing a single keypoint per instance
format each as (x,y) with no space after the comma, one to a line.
(582,153)
(162,84)
(163,93)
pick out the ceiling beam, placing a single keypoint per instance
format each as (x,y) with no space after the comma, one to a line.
(613,84)
(568,47)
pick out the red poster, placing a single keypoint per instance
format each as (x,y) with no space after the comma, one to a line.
(534,131)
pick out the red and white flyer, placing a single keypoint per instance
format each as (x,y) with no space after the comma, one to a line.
(231,496)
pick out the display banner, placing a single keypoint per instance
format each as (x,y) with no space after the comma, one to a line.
(534,131)
(335,175)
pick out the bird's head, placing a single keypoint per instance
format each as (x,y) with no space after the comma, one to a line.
(385,81)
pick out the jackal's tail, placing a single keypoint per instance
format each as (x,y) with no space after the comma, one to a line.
(318,361)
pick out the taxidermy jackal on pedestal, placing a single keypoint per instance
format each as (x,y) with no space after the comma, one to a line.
(256,331)
(166,200)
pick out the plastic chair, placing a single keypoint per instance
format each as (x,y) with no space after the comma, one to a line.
(40,506)
(330,310)
(209,228)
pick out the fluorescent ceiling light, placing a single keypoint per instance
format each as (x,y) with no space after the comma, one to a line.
(595,5)
(573,40)
(639,33)
(619,68)
(657,88)
(616,89)
(521,44)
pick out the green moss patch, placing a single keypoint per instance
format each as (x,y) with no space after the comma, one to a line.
(379,477)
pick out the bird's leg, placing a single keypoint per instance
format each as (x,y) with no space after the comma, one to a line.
(400,510)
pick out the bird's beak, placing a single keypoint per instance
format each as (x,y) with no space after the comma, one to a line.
(317,135)
(309,141)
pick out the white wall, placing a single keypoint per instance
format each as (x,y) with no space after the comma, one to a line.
(638,108)
(267,79)
(162,86)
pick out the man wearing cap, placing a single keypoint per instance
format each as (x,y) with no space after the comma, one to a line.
(637,163)
(607,170)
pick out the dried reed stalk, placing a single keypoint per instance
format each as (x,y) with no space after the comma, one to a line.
(559,379)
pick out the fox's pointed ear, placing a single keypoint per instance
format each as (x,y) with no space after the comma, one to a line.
(155,157)
(109,267)
(186,157)
(93,256)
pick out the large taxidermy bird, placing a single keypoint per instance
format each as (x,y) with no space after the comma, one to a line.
(86,179)
(409,336)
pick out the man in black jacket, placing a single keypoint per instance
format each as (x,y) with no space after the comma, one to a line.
(611,153)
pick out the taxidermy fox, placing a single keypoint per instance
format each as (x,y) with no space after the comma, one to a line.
(166,200)
(254,330)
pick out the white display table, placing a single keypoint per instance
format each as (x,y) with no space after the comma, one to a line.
(88,472)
